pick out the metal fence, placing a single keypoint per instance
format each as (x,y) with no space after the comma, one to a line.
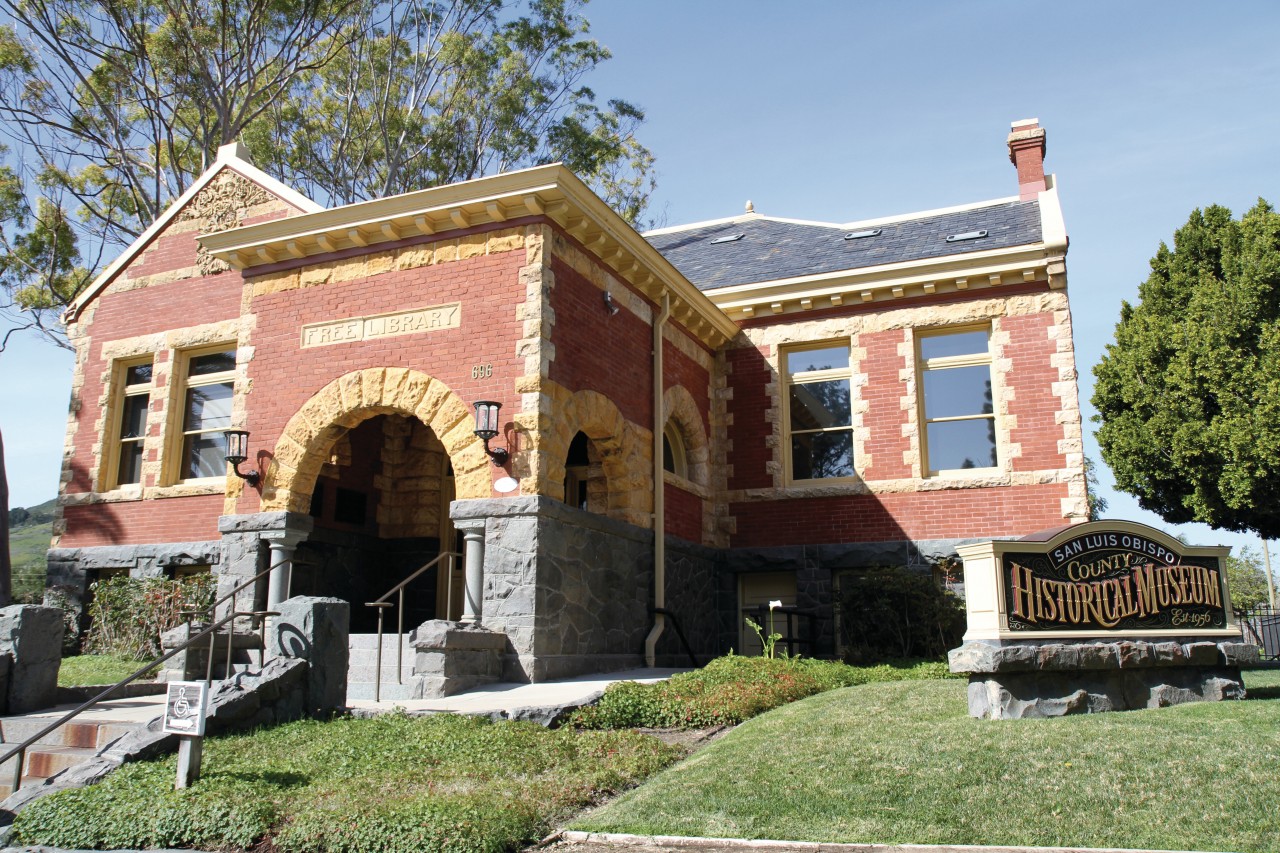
(1261,626)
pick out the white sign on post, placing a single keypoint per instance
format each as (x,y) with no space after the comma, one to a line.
(184,708)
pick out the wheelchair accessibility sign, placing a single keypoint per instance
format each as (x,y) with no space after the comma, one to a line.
(184,708)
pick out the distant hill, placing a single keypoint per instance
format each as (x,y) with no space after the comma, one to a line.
(30,530)
(31,516)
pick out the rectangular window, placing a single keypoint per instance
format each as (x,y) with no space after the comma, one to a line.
(210,381)
(135,400)
(819,415)
(956,395)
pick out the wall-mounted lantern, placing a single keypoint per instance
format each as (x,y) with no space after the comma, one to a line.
(237,452)
(487,429)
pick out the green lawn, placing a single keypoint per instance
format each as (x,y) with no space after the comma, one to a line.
(393,783)
(904,763)
(27,547)
(82,670)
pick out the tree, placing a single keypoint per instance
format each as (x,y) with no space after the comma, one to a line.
(1188,395)
(6,565)
(1247,579)
(1096,502)
(434,93)
(115,108)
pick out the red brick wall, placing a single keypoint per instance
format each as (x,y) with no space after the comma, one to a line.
(1034,403)
(596,351)
(132,313)
(680,369)
(884,416)
(749,374)
(956,513)
(683,513)
(191,519)
(284,376)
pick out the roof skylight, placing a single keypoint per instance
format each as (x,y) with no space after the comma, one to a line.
(967,235)
(728,238)
(858,235)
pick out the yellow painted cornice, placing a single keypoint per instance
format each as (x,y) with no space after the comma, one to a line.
(886,283)
(551,191)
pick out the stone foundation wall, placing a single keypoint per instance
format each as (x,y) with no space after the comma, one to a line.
(816,568)
(569,588)
(1053,679)
(693,595)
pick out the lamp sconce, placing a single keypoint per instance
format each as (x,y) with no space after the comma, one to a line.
(609,304)
(237,452)
(487,429)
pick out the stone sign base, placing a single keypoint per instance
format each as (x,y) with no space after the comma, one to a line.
(1011,680)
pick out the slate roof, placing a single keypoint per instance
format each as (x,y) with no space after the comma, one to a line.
(772,249)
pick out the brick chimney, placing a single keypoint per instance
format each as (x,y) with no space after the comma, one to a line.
(1026,151)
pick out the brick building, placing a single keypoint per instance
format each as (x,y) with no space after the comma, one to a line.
(830,397)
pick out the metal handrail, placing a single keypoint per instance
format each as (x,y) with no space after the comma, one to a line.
(675,623)
(382,604)
(21,750)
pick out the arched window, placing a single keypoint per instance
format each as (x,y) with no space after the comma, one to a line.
(577,467)
(674,458)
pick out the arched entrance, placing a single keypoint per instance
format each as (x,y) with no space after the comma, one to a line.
(375,458)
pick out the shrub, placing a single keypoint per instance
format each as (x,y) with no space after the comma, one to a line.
(58,597)
(732,689)
(130,614)
(894,613)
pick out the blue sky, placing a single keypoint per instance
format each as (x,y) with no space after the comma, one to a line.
(841,111)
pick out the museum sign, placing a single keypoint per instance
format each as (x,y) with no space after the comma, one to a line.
(1112,580)
(1097,579)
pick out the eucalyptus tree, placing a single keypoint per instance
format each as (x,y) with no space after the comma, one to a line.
(432,93)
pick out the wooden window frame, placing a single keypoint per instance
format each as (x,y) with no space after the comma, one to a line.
(808,377)
(114,441)
(180,384)
(923,365)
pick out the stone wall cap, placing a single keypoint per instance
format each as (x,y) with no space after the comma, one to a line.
(981,657)
(443,634)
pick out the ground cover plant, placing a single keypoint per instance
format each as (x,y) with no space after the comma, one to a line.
(731,689)
(904,763)
(81,670)
(394,783)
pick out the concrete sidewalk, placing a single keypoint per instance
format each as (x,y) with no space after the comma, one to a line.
(541,702)
(517,701)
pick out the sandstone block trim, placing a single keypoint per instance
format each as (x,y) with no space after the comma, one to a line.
(309,437)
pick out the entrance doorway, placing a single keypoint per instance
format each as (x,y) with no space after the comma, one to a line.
(381,510)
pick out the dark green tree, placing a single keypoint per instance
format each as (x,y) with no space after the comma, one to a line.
(1188,394)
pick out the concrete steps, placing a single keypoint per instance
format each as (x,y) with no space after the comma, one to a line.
(64,747)
(363,652)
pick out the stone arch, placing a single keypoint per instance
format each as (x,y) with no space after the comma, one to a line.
(680,409)
(621,456)
(309,436)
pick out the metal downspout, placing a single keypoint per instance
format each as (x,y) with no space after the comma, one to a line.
(659,502)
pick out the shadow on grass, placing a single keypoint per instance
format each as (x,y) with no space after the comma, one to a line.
(1262,693)
(274,778)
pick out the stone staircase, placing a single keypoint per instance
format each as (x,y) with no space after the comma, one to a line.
(363,650)
(67,746)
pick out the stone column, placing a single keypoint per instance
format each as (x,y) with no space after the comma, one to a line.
(278,582)
(242,535)
(473,556)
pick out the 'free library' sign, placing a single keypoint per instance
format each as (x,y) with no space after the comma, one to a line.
(407,322)
(1107,580)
